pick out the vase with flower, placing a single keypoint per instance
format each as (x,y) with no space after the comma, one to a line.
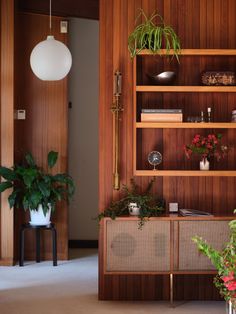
(225,264)
(207,147)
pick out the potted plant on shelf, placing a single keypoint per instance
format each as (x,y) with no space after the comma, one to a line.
(225,263)
(206,147)
(34,189)
(143,205)
(154,37)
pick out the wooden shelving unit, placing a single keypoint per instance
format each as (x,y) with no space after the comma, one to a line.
(186,89)
(185,125)
(185,173)
(142,91)
(193,52)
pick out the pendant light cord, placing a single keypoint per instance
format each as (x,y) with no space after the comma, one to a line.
(50,16)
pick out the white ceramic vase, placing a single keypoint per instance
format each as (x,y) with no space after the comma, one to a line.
(229,308)
(37,217)
(204,164)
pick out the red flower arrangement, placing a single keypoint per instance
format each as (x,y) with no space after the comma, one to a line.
(225,263)
(209,146)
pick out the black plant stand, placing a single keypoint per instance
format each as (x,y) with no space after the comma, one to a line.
(37,234)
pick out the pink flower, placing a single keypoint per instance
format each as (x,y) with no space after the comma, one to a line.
(231,286)
(229,277)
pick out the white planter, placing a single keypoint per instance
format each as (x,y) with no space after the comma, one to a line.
(134,210)
(204,164)
(37,217)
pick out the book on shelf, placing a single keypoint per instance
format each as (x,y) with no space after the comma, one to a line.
(193,212)
(161,117)
(161,110)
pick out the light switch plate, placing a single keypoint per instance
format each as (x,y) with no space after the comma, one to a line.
(64,27)
(20,114)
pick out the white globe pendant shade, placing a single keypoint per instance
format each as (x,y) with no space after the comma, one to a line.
(50,60)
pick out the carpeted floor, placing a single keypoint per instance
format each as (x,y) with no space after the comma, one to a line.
(71,288)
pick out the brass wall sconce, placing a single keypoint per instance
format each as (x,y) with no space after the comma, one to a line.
(116,109)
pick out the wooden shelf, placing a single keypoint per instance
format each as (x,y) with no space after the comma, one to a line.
(185,173)
(183,89)
(193,52)
(185,125)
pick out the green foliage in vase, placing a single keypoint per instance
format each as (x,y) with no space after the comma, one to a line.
(149,205)
(148,35)
(32,186)
(225,263)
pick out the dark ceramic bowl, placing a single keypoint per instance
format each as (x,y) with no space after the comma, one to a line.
(164,78)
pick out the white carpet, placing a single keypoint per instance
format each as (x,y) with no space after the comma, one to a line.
(71,288)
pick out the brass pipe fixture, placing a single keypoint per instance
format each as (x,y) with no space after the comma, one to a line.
(116,109)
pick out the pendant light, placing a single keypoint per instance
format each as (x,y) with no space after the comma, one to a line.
(50,60)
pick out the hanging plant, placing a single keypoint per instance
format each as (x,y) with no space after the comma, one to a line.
(148,35)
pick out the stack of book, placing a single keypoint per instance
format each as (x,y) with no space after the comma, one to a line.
(161,115)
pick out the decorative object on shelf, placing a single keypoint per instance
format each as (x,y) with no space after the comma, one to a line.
(148,35)
(35,189)
(116,109)
(233,116)
(50,60)
(154,159)
(206,147)
(202,117)
(204,164)
(149,205)
(209,118)
(215,78)
(161,115)
(225,263)
(163,78)
(134,209)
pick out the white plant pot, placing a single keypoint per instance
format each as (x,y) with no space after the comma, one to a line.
(204,164)
(134,210)
(37,217)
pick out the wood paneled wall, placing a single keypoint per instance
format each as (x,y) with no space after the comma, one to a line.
(7,136)
(200,24)
(88,9)
(45,127)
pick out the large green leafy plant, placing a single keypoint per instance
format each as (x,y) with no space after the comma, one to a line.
(148,35)
(32,186)
(149,205)
(225,263)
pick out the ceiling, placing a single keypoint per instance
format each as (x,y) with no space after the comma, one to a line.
(73,8)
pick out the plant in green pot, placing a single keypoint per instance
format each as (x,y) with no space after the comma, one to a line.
(34,189)
(153,36)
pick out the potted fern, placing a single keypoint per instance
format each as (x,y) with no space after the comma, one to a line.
(148,35)
(34,189)
(141,204)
